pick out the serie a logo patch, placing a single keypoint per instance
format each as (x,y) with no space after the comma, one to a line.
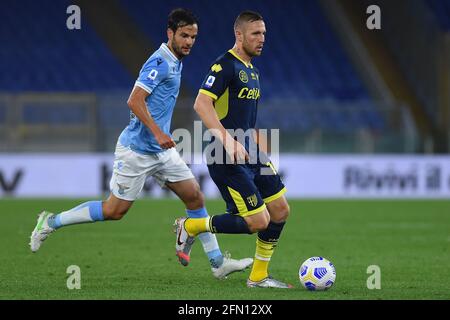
(210,81)
(152,75)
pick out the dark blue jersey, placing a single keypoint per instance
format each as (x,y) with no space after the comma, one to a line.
(234,86)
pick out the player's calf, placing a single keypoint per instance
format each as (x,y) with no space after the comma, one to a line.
(114,214)
(189,192)
(194,199)
(115,208)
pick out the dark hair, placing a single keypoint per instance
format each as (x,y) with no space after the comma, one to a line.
(247,16)
(179,18)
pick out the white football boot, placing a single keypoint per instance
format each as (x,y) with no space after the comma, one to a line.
(183,243)
(230,265)
(41,231)
(268,282)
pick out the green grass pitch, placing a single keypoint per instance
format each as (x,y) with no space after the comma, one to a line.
(135,259)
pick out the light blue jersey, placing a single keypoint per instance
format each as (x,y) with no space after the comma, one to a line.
(160,76)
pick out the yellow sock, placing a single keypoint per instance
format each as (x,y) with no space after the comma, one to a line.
(259,270)
(194,226)
(264,251)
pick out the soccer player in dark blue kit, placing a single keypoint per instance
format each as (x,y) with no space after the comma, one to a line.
(227,101)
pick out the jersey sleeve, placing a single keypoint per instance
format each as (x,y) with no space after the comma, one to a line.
(217,80)
(153,72)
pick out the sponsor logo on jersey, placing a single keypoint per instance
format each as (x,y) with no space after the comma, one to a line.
(243,76)
(247,93)
(216,68)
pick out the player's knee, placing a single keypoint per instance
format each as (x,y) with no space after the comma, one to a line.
(199,198)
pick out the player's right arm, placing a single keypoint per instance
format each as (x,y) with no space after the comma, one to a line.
(136,102)
(154,71)
(214,85)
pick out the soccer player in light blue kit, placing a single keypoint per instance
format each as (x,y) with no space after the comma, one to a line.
(145,148)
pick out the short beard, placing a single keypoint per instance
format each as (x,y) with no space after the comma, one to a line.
(177,50)
(249,53)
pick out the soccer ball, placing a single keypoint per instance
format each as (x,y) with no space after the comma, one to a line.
(317,273)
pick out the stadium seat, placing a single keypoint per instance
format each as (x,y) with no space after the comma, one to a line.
(45,56)
(441,9)
(309,67)
(312,66)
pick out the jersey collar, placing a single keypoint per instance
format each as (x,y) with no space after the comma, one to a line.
(248,65)
(169,53)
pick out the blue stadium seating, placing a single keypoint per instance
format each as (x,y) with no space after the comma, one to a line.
(57,114)
(441,9)
(298,116)
(2,114)
(39,53)
(302,57)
